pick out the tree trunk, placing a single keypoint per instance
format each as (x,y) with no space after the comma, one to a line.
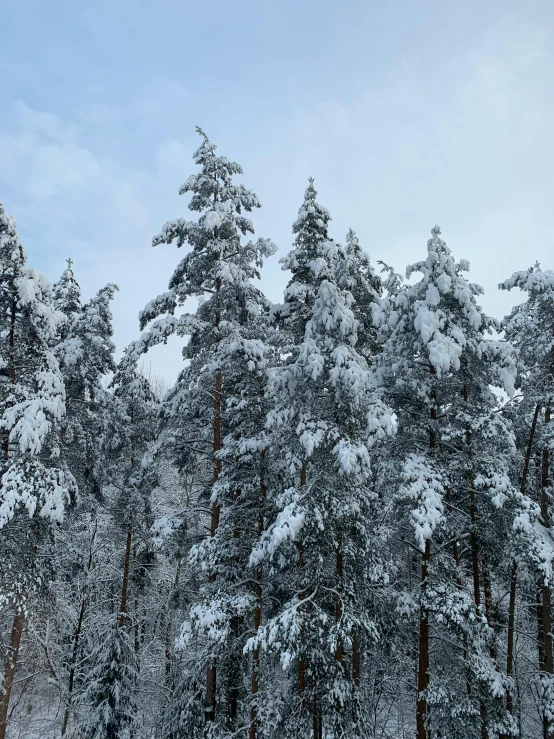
(255,684)
(302,661)
(423,661)
(545,619)
(315,716)
(513,573)
(76,640)
(339,651)
(422,707)
(125,583)
(10,667)
(19,618)
(211,672)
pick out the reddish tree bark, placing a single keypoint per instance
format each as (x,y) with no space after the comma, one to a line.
(125,583)
(10,667)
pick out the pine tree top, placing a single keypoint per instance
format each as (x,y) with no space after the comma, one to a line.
(218,269)
(67,292)
(311,228)
(304,261)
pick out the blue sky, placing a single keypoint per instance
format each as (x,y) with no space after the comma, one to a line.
(406,113)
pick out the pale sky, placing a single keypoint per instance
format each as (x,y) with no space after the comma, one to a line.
(406,113)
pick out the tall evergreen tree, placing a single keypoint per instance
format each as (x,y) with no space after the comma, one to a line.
(35,486)
(324,420)
(454,450)
(310,229)
(67,297)
(355,273)
(530,328)
(218,271)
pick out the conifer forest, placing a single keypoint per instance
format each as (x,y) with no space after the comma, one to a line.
(335,524)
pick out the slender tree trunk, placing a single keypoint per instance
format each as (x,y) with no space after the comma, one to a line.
(255,685)
(356,670)
(125,583)
(511,631)
(315,716)
(356,661)
(233,673)
(513,573)
(422,707)
(487,590)
(474,545)
(339,652)
(19,618)
(474,551)
(302,661)
(211,671)
(10,667)
(167,640)
(423,661)
(545,619)
(76,640)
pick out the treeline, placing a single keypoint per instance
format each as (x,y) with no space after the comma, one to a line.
(335,524)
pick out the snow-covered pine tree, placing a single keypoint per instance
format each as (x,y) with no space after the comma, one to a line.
(454,449)
(86,359)
(324,420)
(67,297)
(218,271)
(310,229)
(355,273)
(530,327)
(35,486)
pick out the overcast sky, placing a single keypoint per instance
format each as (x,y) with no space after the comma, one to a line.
(406,113)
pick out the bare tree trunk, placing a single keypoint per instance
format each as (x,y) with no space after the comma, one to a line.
(76,640)
(10,667)
(125,583)
(167,638)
